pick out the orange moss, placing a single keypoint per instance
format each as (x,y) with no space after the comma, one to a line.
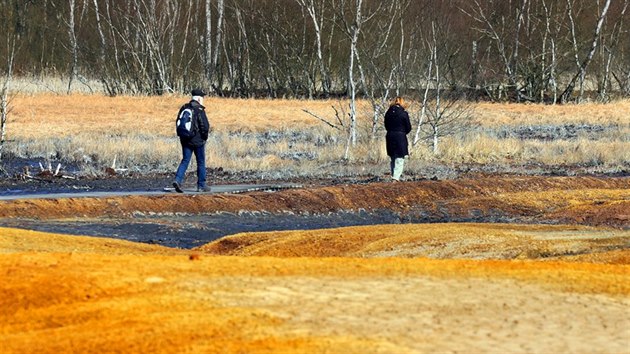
(443,241)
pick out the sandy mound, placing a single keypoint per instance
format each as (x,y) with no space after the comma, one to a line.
(447,241)
(14,241)
(92,294)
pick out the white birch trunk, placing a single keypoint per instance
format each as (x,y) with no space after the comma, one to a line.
(103,43)
(309,5)
(4,94)
(581,74)
(552,71)
(208,43)
(73,45)
(543,51)
(355,29)
(425,98)
(437,115)
(114,44)
(435,140)
(219,36)
(610,53)
(245,47)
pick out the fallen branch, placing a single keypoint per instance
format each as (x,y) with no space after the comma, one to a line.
(45,174)
(322,119)
(36,178)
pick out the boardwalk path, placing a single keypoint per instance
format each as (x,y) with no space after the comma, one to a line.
(216,189)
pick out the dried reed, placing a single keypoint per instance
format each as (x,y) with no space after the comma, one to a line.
(277,136)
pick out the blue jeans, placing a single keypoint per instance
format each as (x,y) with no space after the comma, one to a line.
(200,156)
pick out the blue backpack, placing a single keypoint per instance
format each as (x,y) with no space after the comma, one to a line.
(186,124)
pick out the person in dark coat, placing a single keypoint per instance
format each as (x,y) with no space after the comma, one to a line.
(195,144)
(398,126)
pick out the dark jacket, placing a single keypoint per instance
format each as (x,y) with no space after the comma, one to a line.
(398,126)
(203,126)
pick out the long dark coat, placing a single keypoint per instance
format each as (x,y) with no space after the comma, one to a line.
(398,126)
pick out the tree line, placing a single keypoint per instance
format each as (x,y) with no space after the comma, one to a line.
(519,50)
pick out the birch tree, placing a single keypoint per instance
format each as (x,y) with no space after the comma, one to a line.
(514,49)
(610,51)
(73,44)
(214,54)
(315,11)
(548,37)
(381,68)
(498,28)
(207,62)
(102,59)
(422,113)
(353,26)
(7,75)
(581,72)
(442,115)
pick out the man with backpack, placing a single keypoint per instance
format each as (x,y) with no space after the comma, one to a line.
(192,128)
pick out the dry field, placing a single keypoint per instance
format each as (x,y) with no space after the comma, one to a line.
(268,135)
(404,288)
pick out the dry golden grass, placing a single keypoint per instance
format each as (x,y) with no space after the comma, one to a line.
(495,114)
(484,149)
(93,130)
(43,115)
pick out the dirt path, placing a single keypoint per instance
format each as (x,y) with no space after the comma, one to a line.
(215,189)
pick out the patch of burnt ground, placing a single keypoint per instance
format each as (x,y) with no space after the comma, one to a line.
(189,231)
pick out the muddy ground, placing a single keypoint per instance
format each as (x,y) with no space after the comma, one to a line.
(188,221)
(555,282)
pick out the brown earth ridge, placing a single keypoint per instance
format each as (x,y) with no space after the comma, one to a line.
(581,200)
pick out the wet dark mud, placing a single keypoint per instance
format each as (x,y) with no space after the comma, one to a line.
(188,231)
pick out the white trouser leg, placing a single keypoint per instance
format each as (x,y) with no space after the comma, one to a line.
(399,164)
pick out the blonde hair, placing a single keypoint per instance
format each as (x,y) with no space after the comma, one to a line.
(399,101)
